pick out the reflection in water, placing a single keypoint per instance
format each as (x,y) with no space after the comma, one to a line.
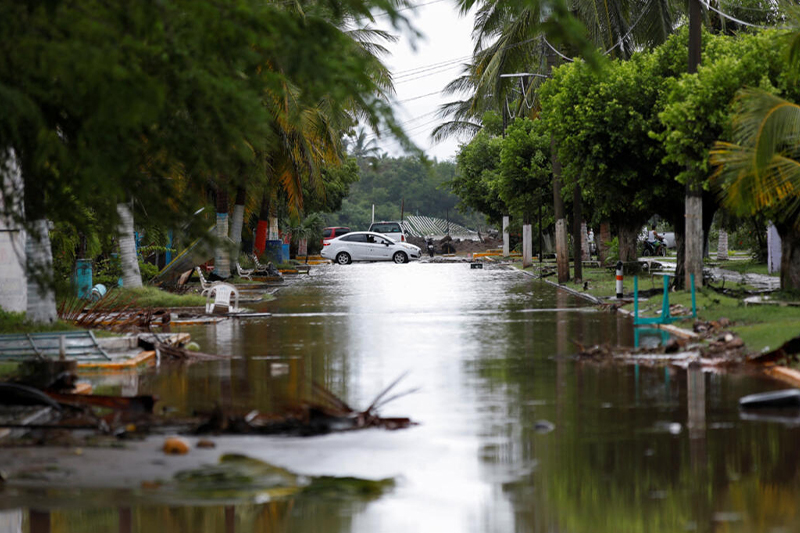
(633,449)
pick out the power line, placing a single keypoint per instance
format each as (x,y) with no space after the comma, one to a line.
(415,119)
(432,65)
(743,23)
(553,48)
(419,97)
(644,8)
(432,73)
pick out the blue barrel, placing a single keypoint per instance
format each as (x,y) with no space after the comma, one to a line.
(82,278)
(274,251)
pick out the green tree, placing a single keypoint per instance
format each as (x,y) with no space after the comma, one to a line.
(600,123)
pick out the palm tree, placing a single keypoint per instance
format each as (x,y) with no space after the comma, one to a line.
(759,172)
(131,276)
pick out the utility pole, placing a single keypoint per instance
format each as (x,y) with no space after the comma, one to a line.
(693,257)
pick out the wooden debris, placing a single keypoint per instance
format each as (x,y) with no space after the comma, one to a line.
(113,311)
(324,414)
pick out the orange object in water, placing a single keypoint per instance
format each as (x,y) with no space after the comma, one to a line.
(176,446)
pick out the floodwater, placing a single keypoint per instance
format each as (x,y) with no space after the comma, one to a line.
(514,434)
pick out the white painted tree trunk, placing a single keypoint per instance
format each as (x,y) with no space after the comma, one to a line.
(527,246)
(584,243)
(722,245)
(237,222)
(222,258)
(41,307)
(131,276)
(274,234)
(773,250)
(506,247)
(13,282)
(562,250)
(302,247)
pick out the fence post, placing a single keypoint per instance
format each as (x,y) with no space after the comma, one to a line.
(619,280)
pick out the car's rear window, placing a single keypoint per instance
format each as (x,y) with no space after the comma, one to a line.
(341,231)
(385,228)
(359,237)
(326,233)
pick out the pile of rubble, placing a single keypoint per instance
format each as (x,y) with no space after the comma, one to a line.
(448,245)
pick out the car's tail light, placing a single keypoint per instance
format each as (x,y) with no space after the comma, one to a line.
(326,243)
(403,238)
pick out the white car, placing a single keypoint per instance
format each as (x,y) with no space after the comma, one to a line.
(368,246)
(391,230)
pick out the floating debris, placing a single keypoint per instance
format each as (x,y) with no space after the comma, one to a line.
(789,398)
(175,446)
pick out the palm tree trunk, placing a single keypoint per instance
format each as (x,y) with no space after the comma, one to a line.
(602,242)
(41,307)
(222,258)
(263,226)
(237,220)
(790,255)
(131,276)
(627,243)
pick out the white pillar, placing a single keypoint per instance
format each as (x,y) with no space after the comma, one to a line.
(505,237)
(773,250)
(526,246)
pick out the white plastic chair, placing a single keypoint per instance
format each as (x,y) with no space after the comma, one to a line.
(222,293)
(205,285)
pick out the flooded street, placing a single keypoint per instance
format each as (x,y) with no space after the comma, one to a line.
(513,433)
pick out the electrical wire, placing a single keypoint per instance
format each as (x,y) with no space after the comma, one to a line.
(553,48)
(743,23)
(418,97)
(432,73)
(622,39)
(416,70)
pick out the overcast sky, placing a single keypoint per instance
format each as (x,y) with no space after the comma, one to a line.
(421,72)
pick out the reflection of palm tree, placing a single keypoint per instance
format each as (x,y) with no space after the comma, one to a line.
(759,172)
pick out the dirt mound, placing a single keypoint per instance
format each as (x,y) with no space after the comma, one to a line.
(459,246)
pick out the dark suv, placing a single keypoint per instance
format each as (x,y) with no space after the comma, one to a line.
(333,232)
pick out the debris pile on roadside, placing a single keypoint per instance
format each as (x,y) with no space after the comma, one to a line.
(62,416)
(714,347)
